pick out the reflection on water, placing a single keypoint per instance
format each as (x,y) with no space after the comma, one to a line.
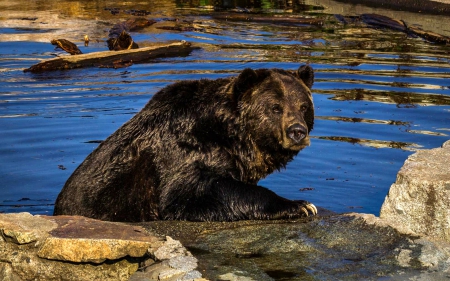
(374,143)
(379,94)
(362,120)
(400,99)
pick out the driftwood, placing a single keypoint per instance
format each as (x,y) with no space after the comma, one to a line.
(383,22)
(379,21)
(180,28)
(428,35)
(114,59)
(140,13)
(268,19)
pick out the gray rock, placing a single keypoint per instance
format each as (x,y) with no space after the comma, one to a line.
(192,275)
(140,276)
(419,200)
(174,262)
(183,263)
(170,249)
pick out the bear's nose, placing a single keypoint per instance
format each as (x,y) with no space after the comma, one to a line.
(296,132)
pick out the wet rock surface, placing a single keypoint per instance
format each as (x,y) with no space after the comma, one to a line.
(336,247)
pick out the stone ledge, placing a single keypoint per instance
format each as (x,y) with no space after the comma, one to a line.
(79,248)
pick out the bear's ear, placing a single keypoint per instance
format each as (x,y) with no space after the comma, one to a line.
(306,73)
(245,81)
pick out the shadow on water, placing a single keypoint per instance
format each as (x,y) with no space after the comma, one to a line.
(380,94)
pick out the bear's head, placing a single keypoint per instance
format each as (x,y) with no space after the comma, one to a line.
(276,107)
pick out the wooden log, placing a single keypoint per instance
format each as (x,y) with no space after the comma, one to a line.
(379,21)
(383,22)
(429,35)
(268,19)
(114,58)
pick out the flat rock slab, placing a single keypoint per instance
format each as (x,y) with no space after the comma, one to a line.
(71,248)
(77,239)
(82,227)
(105,240)
(419,200)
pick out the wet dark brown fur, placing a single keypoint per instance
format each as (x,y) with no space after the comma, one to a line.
(197,150)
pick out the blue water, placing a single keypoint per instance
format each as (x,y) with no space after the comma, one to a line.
(370,115)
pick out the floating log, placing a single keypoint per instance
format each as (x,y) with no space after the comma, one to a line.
(379,21)
(268,19)
(180,28)
(114,59)
(383,22)
(429,35)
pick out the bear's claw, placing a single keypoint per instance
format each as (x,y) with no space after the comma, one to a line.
(311,208)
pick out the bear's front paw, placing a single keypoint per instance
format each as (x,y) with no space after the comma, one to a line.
(296,209)
(306,208)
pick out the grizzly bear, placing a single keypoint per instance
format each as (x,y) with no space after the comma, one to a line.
(197,150)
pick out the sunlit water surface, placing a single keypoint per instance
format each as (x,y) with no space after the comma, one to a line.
(379,96)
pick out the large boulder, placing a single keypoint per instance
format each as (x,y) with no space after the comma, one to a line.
(419,200)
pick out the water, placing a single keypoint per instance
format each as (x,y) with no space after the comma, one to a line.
(379,95)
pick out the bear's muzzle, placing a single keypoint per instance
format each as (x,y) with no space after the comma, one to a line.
(296,133)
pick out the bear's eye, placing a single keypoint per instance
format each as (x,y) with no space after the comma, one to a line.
(276,108)
(303,108)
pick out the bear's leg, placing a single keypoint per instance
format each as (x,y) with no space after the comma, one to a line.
(225,199)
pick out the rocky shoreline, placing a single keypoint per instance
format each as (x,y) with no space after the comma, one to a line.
(409,241)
